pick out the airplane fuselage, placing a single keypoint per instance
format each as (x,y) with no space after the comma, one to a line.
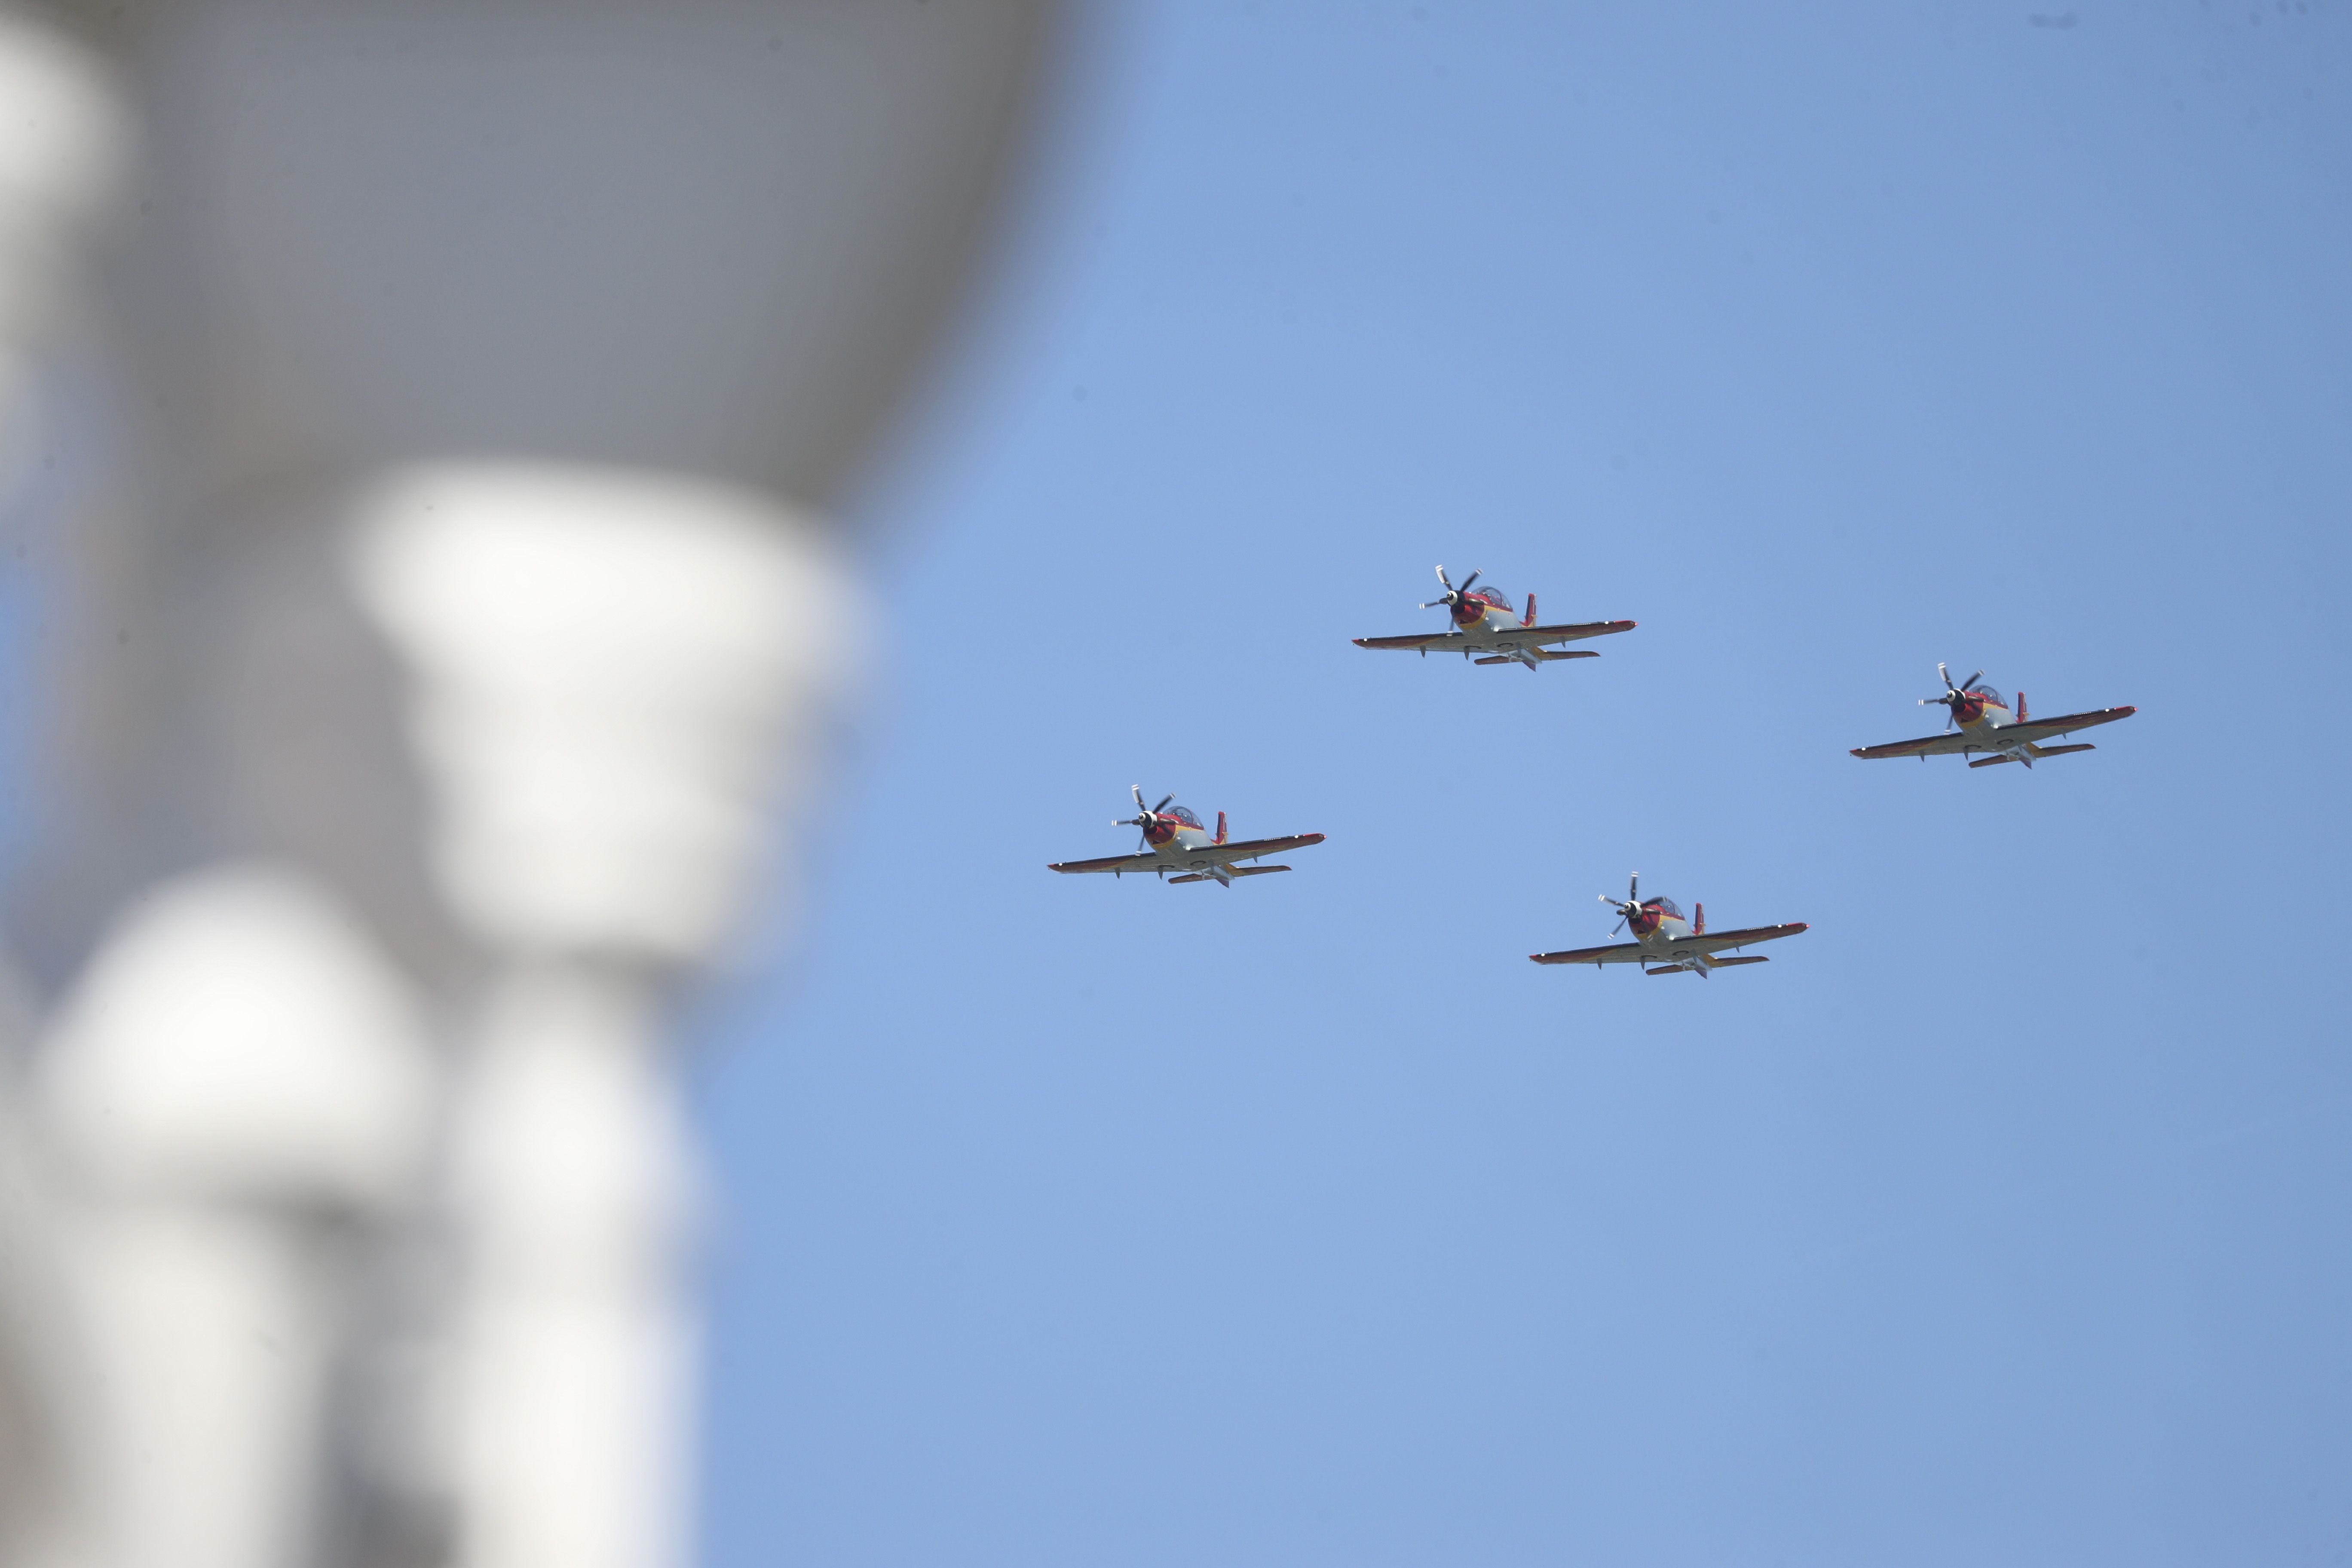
(1982,718)
(1176,843)
(1480,621)
(1475,614)
(1661,932)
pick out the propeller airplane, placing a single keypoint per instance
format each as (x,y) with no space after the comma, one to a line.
(1979,719)
(1482,624)
(1662,936)
(1175,840)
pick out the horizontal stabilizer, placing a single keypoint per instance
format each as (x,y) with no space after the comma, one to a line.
(1990,761)
(1231,871)
(1545,654)
(1718,963)
(2061,750)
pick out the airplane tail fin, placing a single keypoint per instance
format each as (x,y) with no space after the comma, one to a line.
(2020,707)
(1530,618)
(1220,827)
(1698,919)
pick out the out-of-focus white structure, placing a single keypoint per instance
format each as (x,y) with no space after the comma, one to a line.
(447,616)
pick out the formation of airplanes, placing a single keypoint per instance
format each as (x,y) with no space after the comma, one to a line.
(1979,723)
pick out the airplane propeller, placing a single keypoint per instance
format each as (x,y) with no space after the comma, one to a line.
(1145,815)
(1627,907)
(1453,595)
(1953,697)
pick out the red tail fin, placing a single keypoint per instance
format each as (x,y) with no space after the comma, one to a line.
(1530,619)
(1698,919)
(1220,827)
(2020,707)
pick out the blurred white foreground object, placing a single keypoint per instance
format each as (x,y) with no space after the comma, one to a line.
(238,1093)
(450,628)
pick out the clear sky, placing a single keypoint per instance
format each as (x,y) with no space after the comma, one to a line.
(2005,1216)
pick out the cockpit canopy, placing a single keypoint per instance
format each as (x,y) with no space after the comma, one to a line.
(1183,814)
(1665,907)
(1492,596)
(1989,694)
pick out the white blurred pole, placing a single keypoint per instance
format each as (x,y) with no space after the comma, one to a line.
(62,140)
(574,1346)
(606,670)
(237,1092)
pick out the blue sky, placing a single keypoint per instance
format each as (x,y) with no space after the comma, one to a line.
(2003,1216)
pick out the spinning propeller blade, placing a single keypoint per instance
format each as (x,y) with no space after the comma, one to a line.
(1144,815)
(1627,907)
(1452,594)
(1953,695)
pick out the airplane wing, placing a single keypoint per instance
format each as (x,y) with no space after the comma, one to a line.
(2042,729)
(1144,862)
(1425,640)
(1224,853)
(1618,952)
(1509,636)
(1952,740)
(1242,850)
(1949,742)
(1561,634)
(1634,953)
(1717,940)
